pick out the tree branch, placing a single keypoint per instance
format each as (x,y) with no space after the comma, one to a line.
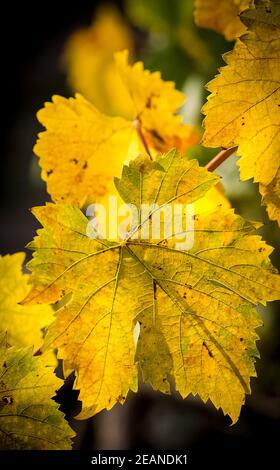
(220,158)
(141,136)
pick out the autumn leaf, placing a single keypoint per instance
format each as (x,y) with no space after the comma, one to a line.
(27,322)
(155,104)
(82,149)
(221,16)
(29,419)
(243,108)
(89,59)
(196,307)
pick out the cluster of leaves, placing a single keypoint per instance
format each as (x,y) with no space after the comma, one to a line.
(196,308)
(29,418)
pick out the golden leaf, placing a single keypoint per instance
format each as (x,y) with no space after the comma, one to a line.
(154,104)
(25,324)
(82,149)
(196,306)
(243,108)
(29,419)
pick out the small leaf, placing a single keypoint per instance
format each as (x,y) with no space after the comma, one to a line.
(29,419)
(27,322)
(81,150)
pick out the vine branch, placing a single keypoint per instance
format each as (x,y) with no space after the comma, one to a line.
(141,136)
(220,158)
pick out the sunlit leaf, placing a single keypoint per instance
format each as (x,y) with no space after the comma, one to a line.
(82,149)
(29,418)
(155,103)
(243,108)
(196,307)
(24,324)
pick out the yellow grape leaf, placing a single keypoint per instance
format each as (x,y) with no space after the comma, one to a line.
(82,149)
(29,418)
(24,324)
(90,61)
(196,307)
(243,108)
(221,16)
(155,104)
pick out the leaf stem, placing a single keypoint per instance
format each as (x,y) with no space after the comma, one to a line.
(141,136)
(220,158)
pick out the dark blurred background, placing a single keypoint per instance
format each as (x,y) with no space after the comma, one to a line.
(33,41)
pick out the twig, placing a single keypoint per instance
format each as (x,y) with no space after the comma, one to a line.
(220,158)
(137,126)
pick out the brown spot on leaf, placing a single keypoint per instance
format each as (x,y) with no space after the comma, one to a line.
(208,350)
(8,399)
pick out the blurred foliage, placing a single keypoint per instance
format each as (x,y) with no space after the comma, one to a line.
(175,46)
(90,63)
(166,38)
(222,17)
